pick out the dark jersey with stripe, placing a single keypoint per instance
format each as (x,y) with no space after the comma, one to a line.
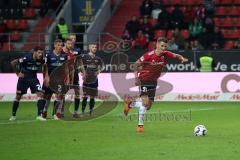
(53,61)
(29,67)
(92,66)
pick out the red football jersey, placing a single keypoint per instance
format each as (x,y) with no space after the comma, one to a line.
(70,54)
(153,65)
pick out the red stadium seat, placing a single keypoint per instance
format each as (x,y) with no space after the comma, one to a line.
(22,24)
(235,2)
(30,13)
(220,11)
(160,33)
(234,11)
(189,2)
(225,1)
(170,9)
(229,45)
(174,2)
(153,21)
(7,47)
(36,3)
(11,24)
(227,33)
(235,34)
(185,33)
(15,36)
(236,22)
(170,34)
(227,22)
(183,9)
(217,21)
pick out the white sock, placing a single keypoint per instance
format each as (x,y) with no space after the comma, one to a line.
(46,105)
(141,112)
(136,104)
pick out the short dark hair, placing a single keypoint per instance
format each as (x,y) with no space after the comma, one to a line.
(58,41)
(93,43)
(162,39)
(68,39)
(37,48)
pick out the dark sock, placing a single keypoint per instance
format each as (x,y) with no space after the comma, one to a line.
(91,104)
(76,104)
(84,104)
(40,106)
(15,107)
(55,104)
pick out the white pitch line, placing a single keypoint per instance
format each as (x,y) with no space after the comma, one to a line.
(22,121)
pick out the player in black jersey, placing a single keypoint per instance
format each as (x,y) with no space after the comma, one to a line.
(26,69)
(93,66)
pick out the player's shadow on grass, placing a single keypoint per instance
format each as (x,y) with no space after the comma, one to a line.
(106,103)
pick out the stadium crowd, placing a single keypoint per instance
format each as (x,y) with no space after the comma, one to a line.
(186,26)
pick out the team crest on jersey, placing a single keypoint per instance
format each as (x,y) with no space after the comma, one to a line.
(151,53)
(156,63)
(162,58)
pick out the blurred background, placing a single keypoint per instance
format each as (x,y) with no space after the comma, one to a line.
(194,28)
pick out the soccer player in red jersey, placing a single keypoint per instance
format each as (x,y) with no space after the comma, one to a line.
(75,65)
(148,69)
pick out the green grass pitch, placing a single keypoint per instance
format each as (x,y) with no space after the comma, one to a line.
(113,137)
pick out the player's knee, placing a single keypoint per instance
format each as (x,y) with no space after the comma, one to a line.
(18,97)
(40,95)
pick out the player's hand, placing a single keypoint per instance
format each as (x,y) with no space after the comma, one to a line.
(20,75)
(183,60)
(137,81)
(46,81)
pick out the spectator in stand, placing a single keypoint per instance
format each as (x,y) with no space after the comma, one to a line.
(133,27)
(146,28)
(25,3)
(209,5)
(163,20)
(201,12)
(3,27)
(172,46)
(145,25)
(237,44)
(158,4)
(218,39)
(205,39)
(140,41)
(189,14)
(177,18)
(62,30)
(149,33)
(195,45)
(209,24)
(126,35)
(195,29)
(45,4)
(146,8)
(179,39)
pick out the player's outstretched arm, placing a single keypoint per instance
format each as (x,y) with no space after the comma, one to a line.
(181,58)
(137,68)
